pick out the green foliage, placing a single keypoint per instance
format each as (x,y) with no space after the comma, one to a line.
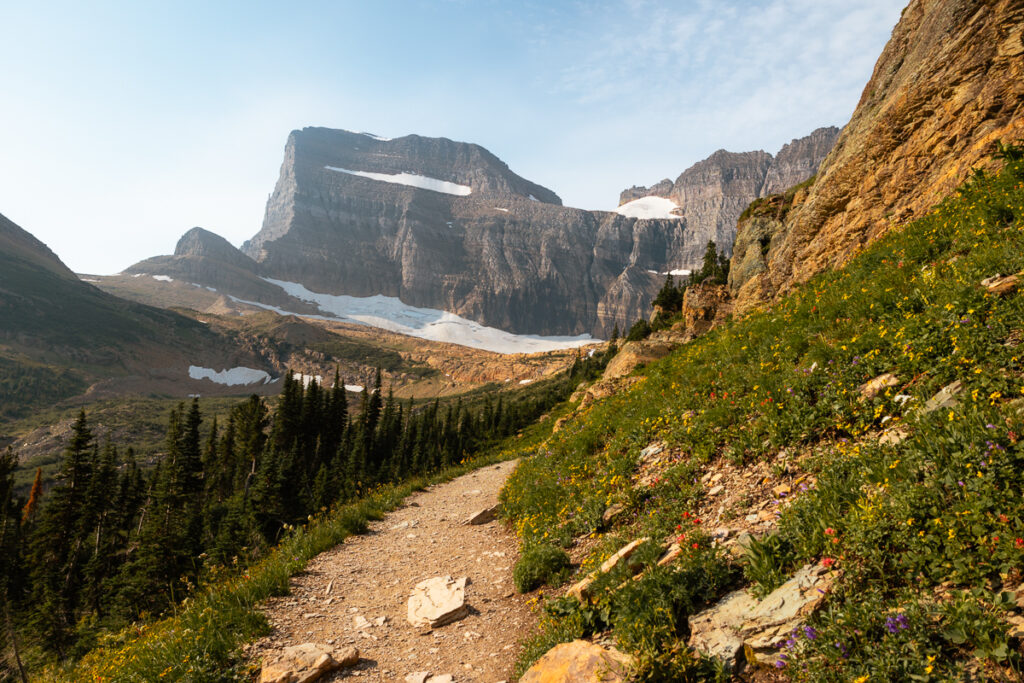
(25,386)
(769,562)
(540,564)
(913,527)
(641,329)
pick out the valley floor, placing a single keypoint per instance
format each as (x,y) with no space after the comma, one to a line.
(370,576)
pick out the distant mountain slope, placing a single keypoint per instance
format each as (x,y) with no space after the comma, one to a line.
(947,87)
(51,322)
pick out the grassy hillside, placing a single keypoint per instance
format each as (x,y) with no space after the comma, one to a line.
(930,528)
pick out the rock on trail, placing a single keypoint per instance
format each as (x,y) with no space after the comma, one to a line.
(359,593)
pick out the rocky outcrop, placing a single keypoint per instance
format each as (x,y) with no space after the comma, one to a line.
(579,662)
(947,87)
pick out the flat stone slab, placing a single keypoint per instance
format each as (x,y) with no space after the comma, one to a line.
(740,623)
(579,662)
(438,601)
(307,663)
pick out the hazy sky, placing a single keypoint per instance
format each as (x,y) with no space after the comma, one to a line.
(124,124)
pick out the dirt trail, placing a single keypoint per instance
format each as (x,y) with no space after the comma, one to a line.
(371,576)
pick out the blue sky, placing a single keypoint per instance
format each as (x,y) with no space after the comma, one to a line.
(124,124)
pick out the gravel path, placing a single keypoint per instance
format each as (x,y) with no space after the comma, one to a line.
(357,593)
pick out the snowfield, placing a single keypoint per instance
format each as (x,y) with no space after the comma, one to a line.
(163,278)
(390,313)
(412,180)
(648,208)
(233,377)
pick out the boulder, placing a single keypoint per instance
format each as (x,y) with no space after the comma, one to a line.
(485,516)
(307,663)
(579,662)
(425,677)
(438,601)
(612,512)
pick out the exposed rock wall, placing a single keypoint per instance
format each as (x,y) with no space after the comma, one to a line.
(714,192)
(947,87)
(508,254)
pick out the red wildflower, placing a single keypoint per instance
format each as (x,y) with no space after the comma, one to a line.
(827,562)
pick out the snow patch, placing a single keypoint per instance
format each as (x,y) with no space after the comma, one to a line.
(648,208)
(163,278)
(390,313)
(356,388)
(232,377)
(533,199)
(88,279)
(525,381)
(412,180)
(376,137)
(498,208)
(679,271)
(306,379)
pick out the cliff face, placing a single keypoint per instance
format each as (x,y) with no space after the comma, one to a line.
(947,87)
(485,244)
(714,192)
(447,225)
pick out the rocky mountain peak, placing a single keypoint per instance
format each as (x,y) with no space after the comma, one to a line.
(198,242)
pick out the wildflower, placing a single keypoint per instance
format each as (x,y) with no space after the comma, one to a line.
(827,562)
(810,633)
(1019,542)
(829,531)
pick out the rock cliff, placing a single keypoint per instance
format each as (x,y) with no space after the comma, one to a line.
(947,87)
(714,192)
(447,225)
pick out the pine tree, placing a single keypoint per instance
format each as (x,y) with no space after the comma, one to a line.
(57,548)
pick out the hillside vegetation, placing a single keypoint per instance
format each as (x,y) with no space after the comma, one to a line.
(926,528)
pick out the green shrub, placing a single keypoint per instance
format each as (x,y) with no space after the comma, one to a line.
(769,561)
(540,564)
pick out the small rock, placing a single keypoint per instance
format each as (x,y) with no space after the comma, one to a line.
(485,516)
(1001,285)
(612,512)
(307,663)
(874,387)
(652,450)
(944,398)
(360,622)
(716,490)
(438,601)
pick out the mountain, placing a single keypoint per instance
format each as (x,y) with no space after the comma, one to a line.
(948,86)
(714,192)
(59,335)
(447,226)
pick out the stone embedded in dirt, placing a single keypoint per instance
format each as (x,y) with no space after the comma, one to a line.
(894,436)
(944,398)
(873,387)
(579,662)
(438,601)
(580,590)
(612,512)
(739,623)
(360,622)
(652,450)
(713,631)
(1000,285)
(425,677)
(715,490)
(485,516)
(307,663)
